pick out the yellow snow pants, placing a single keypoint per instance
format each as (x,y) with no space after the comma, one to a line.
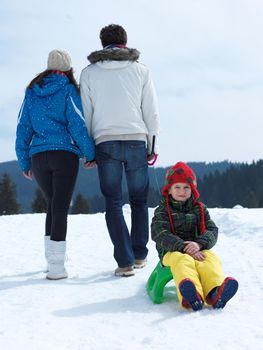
(205,275)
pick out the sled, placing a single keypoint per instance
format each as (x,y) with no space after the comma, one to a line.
(158,279)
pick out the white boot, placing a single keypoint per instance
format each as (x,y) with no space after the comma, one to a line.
(56,260)
(47,250)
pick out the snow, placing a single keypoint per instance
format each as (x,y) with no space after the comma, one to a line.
(93,309)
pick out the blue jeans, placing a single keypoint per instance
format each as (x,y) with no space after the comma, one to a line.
(112,157)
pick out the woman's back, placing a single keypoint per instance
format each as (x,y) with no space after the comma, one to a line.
(47,105)
(51,118)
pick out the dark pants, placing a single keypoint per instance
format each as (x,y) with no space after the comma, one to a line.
(112,157)
(56,173)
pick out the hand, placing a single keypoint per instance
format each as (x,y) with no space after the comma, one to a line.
(151,158)
(191,247)
(28,174)
(89,164)
(200,256)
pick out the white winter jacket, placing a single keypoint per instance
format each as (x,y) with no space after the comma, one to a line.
(119,99)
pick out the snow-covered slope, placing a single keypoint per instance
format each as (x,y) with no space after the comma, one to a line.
(92,309)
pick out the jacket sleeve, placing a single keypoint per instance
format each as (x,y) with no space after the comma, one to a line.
(76,125)
(86,100)
(161,232)
(150,112)
(209,238)
(24,134)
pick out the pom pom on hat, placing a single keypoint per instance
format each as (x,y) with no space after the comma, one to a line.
(59,60)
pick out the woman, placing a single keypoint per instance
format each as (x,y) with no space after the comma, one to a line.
(51,137)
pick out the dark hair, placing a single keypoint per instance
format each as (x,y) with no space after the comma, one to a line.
(39,79)
(113,34)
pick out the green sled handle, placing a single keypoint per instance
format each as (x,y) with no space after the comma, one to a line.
(160,276)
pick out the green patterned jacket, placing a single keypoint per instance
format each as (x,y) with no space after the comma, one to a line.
(186,220)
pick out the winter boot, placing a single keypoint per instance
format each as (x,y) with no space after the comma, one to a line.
(219,296)
(47,250)
(191,298)
(124,271)
(140,263)
(56,260)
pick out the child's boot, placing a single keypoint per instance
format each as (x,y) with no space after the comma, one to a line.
(191,298)
(56,260)
(219,296)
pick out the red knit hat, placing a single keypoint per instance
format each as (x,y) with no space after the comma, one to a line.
(181,172)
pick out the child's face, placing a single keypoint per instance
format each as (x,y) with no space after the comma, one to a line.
(180,191)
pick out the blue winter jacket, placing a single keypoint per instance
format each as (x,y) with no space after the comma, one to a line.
(51,119)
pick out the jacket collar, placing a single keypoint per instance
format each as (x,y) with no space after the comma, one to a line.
(114,54)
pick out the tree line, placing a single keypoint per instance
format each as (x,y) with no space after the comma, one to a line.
(242,184)
(238,184)
(9,204)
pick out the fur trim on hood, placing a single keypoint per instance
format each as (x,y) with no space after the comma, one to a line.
(114,54)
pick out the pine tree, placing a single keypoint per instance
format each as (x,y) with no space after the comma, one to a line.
(80,205)
(39,204)
(8,202)
(251,200)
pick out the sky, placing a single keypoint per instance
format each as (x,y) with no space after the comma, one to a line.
(205,57)
(94,310)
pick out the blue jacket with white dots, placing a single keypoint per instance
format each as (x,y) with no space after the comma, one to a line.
(51,119)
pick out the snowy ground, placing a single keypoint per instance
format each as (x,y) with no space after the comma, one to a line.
(92,309)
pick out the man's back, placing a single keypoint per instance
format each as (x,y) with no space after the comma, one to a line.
(118,96)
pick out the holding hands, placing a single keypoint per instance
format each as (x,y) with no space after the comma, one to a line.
(89,164)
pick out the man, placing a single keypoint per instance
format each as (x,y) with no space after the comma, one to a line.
(120,107)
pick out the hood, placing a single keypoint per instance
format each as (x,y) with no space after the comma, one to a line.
(52,84)
(114,54)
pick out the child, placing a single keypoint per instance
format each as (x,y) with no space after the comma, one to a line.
(184,235)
